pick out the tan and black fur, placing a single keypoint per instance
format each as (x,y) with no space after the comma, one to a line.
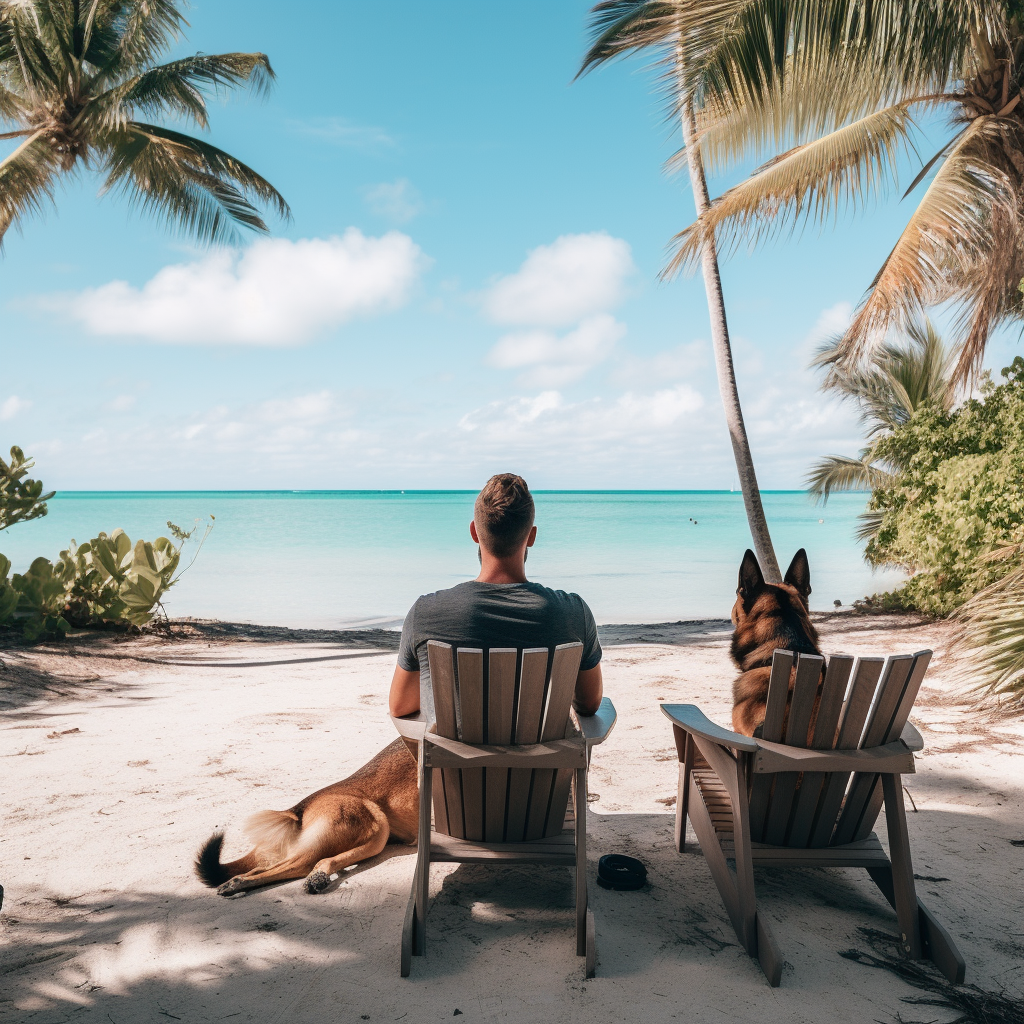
(332,828)
(767,617)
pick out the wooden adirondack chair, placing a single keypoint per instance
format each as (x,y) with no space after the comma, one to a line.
(779,801)
(498,765)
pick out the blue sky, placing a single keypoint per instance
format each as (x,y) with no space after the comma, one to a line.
(469,283)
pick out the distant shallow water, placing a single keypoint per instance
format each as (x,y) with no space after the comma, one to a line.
(330,559)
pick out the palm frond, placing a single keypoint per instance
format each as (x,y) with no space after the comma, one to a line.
(868,525)
(840,473)
(201,188)
(812,181)
(128,35)
(991,632)
(26,181)
(177,87)
(952,222)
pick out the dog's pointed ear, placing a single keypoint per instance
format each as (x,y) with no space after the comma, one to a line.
(751,581)
(798,574)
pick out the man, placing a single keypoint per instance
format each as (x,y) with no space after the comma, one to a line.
(500,608)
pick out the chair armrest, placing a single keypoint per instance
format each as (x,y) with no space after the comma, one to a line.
(441,752)
(892,758)
(691,719)
(911,738)
(411,727)
(595,727)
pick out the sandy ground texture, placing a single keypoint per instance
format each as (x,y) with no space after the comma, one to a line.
(120,756)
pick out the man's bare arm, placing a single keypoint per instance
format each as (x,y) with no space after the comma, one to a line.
(404,698)
(589,691)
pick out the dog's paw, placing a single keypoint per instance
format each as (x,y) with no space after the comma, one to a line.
(316,883)
(231,886)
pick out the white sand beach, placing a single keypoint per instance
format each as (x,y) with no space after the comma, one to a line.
(119,756)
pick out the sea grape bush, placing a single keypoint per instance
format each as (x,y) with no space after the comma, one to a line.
(21,499)
(106,581)
(959,495)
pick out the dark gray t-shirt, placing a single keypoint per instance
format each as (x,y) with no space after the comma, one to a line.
(495,615)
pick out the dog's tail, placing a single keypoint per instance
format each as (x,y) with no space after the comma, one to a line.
(209,869)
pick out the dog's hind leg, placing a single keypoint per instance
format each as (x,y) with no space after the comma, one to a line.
(284,871)
(361,832)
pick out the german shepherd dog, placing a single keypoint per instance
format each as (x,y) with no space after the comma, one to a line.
(767,617)
(343,824)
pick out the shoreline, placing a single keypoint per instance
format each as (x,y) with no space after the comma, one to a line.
(121,754)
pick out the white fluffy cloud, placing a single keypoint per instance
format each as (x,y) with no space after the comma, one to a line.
(551,361)
(10,407)
(558,284)
(276,292)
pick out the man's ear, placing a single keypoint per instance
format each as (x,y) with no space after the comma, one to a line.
(751,581)
(798,574)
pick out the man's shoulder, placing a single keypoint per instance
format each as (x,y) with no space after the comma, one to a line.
(567,598)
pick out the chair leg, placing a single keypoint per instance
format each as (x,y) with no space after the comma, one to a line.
(409,936)
(904,892)
(591,945)
(769,956)
(421,884)
(580,793)
(684,747)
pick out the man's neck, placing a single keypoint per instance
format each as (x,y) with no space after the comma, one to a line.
(501,570)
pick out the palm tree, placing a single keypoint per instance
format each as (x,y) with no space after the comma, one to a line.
(622,26)
(828,91)
(75,75)
(898,380)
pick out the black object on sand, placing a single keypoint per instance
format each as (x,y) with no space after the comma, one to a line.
(616,871)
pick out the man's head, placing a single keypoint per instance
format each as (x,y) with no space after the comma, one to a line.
(503,515)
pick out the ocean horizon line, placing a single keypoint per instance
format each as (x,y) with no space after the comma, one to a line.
(413,490)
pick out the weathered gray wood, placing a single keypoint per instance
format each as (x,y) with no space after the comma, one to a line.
(560,792)
(851,724)
(408,929)
(596,727)
(887,699)
(533,678)
(470,664)
(775,712)
(724,878)
(936,942)
(565,667)
(801,707)
(540,800)
(444,753)
(442,682)
(501,691)
(685,748)
(448,798)
(560,849)
(902,867)
(769,956)
(422,879)
(778,757)
(693,720)
(897,727)
(591,963)
(580,795)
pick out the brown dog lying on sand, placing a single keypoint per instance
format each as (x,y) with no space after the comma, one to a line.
(334,827)
(768,617)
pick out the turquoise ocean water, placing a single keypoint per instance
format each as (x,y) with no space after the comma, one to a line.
(340,558)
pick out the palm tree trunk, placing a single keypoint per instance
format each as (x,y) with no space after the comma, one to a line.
(723,362)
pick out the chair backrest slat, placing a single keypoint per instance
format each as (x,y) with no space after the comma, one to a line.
(565,667)
(504,697)
(826,726)
(873,804)
(532,680)
(851,726)
(774,715)
(801,706)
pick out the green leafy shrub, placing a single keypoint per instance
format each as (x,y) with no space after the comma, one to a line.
(21,499)
(106,581)
(958,496)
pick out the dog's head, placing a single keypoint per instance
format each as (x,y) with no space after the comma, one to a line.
(770,616)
